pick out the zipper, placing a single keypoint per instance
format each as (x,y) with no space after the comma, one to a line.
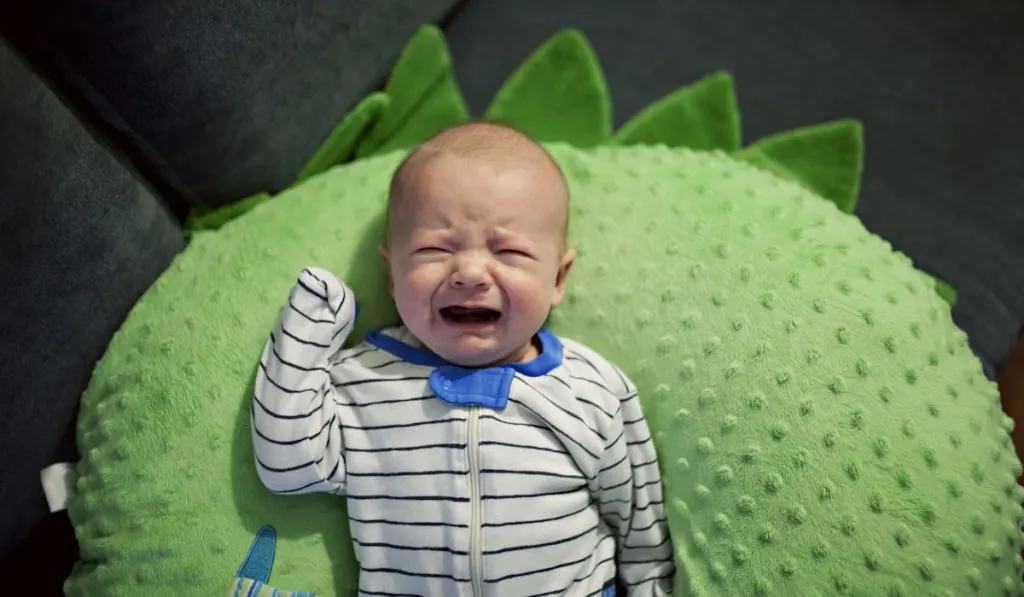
(476,556)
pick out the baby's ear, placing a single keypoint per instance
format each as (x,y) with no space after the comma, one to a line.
(386,259)
(568,258)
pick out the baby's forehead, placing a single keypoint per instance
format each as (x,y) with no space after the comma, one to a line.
(477,155)
(482,143)
(485,160)
(478,178)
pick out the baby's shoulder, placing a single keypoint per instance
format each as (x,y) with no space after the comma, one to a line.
(367,360)
(590,369)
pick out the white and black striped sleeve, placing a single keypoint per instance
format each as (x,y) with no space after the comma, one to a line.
(295,428)
(631,503)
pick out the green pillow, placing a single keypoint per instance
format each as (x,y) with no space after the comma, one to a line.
(822,425)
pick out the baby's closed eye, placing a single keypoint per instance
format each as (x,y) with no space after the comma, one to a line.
(430,250)
(514,252)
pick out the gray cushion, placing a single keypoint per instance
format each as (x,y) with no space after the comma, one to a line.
(217,100)
(80,241)
(938,86)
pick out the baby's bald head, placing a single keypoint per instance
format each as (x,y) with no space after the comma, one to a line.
(496,145)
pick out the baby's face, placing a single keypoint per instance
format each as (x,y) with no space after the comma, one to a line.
(476,256)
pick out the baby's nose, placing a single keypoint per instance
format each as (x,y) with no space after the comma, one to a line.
(470,271)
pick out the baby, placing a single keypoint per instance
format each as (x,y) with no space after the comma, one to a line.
(479,453)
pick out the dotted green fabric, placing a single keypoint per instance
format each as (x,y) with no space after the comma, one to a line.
(822,426)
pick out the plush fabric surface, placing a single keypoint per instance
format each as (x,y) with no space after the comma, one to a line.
(80,240)
(937,86)
(217,100)
(823,426)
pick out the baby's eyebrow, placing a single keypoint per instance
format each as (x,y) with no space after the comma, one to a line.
(504,235)
(438,235)
(503,232)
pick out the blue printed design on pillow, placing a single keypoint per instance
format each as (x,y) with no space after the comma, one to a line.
(254,573)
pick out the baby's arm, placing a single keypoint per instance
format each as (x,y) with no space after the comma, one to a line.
(295,429)
(632,503)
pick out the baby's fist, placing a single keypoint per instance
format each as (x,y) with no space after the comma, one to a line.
(323,283)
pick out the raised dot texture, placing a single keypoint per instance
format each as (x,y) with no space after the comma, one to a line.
(848,524)
(718,571)
(722,523)
(773,483)
(779,431)
(740,555)
(696,272)
(820,549)
(873,559)
(724,475)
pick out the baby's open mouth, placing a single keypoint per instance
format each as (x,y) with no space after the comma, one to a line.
(457,314)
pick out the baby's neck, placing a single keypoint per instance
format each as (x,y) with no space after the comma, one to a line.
(525,354)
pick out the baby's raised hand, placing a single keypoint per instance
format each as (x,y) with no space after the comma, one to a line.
(327,287)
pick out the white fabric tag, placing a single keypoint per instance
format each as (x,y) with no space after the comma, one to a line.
(58,484)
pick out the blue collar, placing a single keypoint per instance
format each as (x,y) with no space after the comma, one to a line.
(488,386)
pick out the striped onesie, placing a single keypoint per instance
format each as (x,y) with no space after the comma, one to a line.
(535,478)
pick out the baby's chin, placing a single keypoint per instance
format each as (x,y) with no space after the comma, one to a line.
(475,353)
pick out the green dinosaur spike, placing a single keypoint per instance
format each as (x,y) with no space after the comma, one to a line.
(703,116)
(558,94)
(947,292)
(200,218)
(442,108)
(341,144)
(826,158)
(944,290)
(424,97)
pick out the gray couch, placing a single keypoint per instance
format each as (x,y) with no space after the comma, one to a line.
(115,118)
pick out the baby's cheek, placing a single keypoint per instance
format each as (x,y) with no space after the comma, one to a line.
(404,293)
(533,295)
(416,291)
(415,282)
